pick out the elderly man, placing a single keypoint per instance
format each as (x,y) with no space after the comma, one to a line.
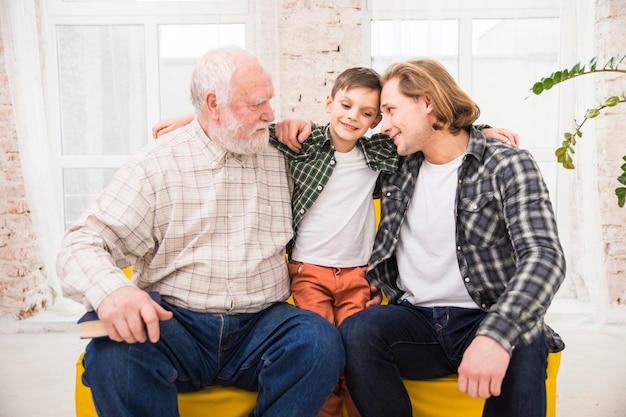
(203,215)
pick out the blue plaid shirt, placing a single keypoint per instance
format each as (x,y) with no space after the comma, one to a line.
(508,248)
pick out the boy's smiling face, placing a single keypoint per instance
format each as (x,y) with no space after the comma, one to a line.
(352,113)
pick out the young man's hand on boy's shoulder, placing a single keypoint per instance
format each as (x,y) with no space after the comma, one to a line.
(171,124)
(292,132)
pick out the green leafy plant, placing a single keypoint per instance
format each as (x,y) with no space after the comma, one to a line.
(565,152)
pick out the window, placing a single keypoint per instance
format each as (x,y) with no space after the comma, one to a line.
(179,46)
(495,50)
(508,56)
(118,68)
(394,41)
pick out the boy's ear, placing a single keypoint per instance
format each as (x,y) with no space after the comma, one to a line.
(376,121)
(329,104)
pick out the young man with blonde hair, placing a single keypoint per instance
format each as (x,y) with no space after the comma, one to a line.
(467,253)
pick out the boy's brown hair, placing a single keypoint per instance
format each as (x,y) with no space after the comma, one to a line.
(357,77)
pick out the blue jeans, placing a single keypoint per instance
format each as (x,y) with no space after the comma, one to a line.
(389,342)
(292,357)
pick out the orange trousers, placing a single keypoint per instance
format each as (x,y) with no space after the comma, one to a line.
(335,294)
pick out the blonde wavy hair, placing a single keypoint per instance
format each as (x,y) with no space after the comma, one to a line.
(453,108)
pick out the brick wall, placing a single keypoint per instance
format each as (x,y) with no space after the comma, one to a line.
(317,40)
(610,127)
(23,285)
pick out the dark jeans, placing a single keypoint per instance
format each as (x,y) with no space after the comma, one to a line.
(389,342)
(291,356)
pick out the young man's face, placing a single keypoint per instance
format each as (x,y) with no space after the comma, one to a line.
(352,113)
(406,120)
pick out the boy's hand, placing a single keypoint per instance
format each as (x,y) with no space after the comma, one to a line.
(292,132)
(128,312)
(503,135)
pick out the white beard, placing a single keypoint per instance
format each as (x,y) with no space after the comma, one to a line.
(233,140)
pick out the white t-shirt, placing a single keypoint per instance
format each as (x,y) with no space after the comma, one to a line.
(426,252)
(339,229)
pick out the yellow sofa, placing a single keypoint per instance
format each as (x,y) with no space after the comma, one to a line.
(433,398)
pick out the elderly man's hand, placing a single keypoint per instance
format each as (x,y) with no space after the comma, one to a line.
(503,135)
(128,312)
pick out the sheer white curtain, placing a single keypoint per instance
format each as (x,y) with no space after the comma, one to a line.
(587,261)
(22,51)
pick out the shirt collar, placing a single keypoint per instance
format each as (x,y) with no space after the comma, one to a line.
(321,138)
(477,144)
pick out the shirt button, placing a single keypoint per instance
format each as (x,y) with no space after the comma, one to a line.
(467,279)
(483,305)
(332,162)
(388,194)
(458,248)
(319,187)
(301,211)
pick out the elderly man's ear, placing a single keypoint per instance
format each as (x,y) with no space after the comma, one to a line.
(213,109)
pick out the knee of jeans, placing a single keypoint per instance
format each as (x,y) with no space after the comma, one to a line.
(352,329)
(98,361)
(323,341)
(109,362)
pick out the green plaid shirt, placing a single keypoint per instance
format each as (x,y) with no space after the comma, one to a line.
(314,164)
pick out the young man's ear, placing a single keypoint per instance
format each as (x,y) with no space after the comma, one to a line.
(427,103)
(376,121)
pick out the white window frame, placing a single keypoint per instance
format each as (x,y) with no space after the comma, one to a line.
(149,14)
(467,11)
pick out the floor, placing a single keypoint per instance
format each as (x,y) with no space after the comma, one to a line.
(38,359)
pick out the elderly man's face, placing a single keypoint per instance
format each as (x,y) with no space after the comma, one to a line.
(244,122)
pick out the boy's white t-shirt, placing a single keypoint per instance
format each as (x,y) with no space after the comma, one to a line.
(339,229)
(426,252)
